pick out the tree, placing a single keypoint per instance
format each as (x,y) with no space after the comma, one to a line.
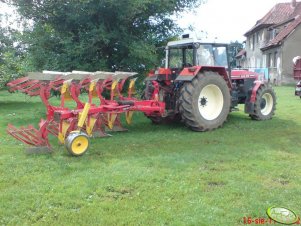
(234,48)
(98,34)
(13,61)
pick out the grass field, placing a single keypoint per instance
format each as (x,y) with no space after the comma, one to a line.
(154,175)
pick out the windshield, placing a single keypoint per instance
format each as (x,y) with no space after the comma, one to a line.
(198,54)
(210,55)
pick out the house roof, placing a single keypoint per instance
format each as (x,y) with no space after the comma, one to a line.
(278,14)
(283,33)
(281,14)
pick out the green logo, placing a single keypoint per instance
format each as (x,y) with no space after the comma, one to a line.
(282,215)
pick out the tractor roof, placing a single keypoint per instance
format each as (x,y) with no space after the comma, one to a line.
(183,42)
(187,41)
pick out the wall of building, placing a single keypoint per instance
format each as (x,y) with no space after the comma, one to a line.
(278,59)
(291,48)
(254,54)
(273,61)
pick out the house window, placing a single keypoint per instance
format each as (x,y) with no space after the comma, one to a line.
(275,59)
(270,60)
(253,42)
(257,37)
(273,33)
(250,43)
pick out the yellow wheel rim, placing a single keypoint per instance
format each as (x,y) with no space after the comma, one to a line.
(79,145)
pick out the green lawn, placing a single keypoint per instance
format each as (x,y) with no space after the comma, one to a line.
(154,175)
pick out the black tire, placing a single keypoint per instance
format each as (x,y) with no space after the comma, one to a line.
(265,104)
(209,111)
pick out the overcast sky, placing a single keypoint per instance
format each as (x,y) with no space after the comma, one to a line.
(227,20)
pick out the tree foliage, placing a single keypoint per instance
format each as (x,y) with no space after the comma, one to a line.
(97,34)
(234,48)
(13,60)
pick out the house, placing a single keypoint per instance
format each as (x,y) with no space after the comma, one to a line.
(274,41)
(241,59)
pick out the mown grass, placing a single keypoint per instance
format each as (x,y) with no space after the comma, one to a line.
(154,175)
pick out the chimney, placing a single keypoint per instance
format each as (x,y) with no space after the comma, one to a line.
(294,3)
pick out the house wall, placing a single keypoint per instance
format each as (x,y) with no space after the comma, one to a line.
(254,54)
(241,62)
(278,59)
(273,61)
(291,48)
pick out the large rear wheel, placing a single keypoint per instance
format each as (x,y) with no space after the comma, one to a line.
(205,102)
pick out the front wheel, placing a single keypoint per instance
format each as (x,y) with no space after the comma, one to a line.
(205,102)
(265,104)
(77,143)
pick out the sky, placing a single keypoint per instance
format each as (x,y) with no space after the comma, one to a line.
(226,20)
(219,20)
(5,9)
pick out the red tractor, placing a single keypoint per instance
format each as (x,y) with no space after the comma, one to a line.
(199,88)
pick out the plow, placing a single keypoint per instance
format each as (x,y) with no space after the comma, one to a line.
(196,87)
(73,127)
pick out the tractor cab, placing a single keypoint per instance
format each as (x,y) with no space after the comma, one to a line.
(190,53)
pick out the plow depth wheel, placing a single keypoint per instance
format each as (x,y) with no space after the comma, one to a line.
(205,102)
(77,143)
(265,104)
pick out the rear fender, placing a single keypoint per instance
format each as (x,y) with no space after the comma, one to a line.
(188,73)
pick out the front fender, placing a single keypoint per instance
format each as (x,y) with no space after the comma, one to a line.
(251,99)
